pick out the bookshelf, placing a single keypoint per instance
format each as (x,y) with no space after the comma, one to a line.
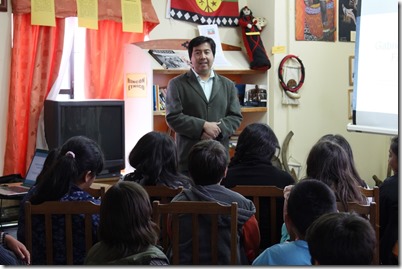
(239,72)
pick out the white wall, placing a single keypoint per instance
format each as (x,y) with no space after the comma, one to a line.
(5,58)
(323,105)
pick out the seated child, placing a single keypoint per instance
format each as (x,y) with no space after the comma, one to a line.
(78,162)
(389,208)
(341,238)
(127,234)
(308,200)
(207,165)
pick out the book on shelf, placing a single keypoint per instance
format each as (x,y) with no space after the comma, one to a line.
(169,59)
(252,95)
(159,97)
(155,97)
(162,97)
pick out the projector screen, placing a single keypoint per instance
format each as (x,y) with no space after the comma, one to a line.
(375,89)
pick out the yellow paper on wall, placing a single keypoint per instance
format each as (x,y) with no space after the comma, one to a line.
(131,15)
(87,12)
(42,12)
(136,85)
(278,49)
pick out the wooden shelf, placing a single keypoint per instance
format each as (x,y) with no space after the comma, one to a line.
(160,113)
(221,72)
(176,44)
(243,109)
(234,55)
(238,70)
(253,109)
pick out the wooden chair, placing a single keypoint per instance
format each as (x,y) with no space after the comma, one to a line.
(162,193)
(368,211)
(374,193)
(69,208)
(164,213)
(255,193)
(96,192)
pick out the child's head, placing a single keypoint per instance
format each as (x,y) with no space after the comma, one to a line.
(341,141)
(393,154)
(78,162)
(256,140)
(81,155)
(126,218)
(341,238)
(155,154)
(308,200)
(329,162)
(207,162)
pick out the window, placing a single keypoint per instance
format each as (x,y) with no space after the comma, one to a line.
(73,70)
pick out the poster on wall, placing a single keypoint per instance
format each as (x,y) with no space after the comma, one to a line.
(316,20)
(136,85)
(347,11)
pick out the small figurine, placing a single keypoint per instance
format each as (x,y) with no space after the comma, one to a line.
(251,28)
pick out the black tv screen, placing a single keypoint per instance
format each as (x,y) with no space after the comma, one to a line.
(100,120)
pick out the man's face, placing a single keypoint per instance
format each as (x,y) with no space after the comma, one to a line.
(202,59)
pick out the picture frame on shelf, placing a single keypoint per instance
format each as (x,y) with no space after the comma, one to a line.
(351,70)
(3,5)
(255,95)
(350,104)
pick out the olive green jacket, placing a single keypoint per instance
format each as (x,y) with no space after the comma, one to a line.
(187,108)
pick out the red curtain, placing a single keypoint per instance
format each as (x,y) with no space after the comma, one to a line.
(105,59)
(35,62)
(107,10)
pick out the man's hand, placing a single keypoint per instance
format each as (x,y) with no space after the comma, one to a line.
(206,136)
(211,129)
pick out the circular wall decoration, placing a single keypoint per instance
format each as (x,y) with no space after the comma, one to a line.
(291,75)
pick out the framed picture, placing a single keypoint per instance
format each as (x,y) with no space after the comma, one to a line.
(350,104)
(3,5)
(351,70)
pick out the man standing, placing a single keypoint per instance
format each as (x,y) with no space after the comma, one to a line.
(201,104)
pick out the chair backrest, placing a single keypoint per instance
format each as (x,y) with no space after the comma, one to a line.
(168,215)
(68,209)
(368,211)
(162,193)
(96,192)
(270,192)
(374,193)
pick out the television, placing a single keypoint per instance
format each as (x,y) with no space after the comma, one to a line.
(100,120)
